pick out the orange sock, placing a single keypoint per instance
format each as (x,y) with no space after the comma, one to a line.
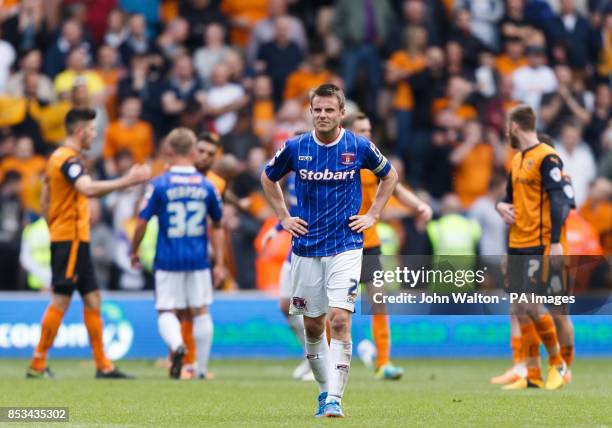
(516,343)
(545,326)
(382,338)
(52,319)
(567,353)
(530,348)
(189,341)
(93,322)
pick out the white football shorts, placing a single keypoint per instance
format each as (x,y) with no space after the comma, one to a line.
(323,282)
(180,290)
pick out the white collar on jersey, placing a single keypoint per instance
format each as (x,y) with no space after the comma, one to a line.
(333,143)
(183,169)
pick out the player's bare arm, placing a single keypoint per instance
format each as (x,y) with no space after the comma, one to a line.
(423,212)
(359,223)
(96,188)
(294,225)
(217,240)
(139,233)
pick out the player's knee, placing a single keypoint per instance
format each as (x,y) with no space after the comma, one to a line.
(339,324)
(92,300)
(61,302)
(314,328)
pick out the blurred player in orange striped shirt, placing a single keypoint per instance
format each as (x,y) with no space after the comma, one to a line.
(360,124)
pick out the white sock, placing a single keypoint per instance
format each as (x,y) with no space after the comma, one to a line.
(317,354)
(340,361)
(520,369)
(296,322)
(170,330)
(203,334)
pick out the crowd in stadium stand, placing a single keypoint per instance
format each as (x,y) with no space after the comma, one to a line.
(436,77)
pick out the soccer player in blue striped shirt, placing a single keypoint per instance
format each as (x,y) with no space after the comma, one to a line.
(327,233)
(182,199)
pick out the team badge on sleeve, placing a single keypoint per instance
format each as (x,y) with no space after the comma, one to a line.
(74,170)
(555,174)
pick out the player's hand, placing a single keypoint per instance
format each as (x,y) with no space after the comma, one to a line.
(139,174)
(135,260)
(506,211)
(295,226)
(556,255)
(423,215)
(268,236)
(359,223)
(219,275)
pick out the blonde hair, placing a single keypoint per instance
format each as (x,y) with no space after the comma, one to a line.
(182,141)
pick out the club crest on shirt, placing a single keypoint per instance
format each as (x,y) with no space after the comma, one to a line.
(347,158)
(530,163)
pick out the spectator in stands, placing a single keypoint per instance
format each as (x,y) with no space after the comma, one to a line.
(110,72)
(116,32)
(262,115)
(182,87)
(512,58)
(312,73)
(240,72)
(602,113)
(265,29)
(363,27)
(578,160)
(214,51)
(429,15)
(289,121)
(564,103)
(574,31)
(128,133)
(30,167)
(279,57)
(31,62)
(70,38)
(241,139)
(7,58)
(462,34)
(400,67)
(171,42)
(223,100)
(200,14)
(149,10)
(143,81)
(456,65)
(137,41)
(79,98)
(11,225)
(514,23)
(243,15)
(76,68)
(485,16)
(26,29)
(495,110)
(474,161)
(535,79)
(603,37)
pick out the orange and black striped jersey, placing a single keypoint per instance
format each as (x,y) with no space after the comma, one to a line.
(369,186)
(68,212)
(535,171)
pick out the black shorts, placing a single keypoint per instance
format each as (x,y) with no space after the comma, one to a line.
(530,271)
(369,264)
(72,268)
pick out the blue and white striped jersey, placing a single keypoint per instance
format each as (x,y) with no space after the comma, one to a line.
(328,188)
(181,199)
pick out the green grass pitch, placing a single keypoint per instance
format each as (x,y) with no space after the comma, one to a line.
(260,393)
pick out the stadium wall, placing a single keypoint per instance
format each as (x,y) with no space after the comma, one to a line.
(250,325)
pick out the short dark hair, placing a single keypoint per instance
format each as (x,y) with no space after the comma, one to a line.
(350,120)
(329,90)
(524,117)
(209,137)
(11,176)
(76,116)
(498,178)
